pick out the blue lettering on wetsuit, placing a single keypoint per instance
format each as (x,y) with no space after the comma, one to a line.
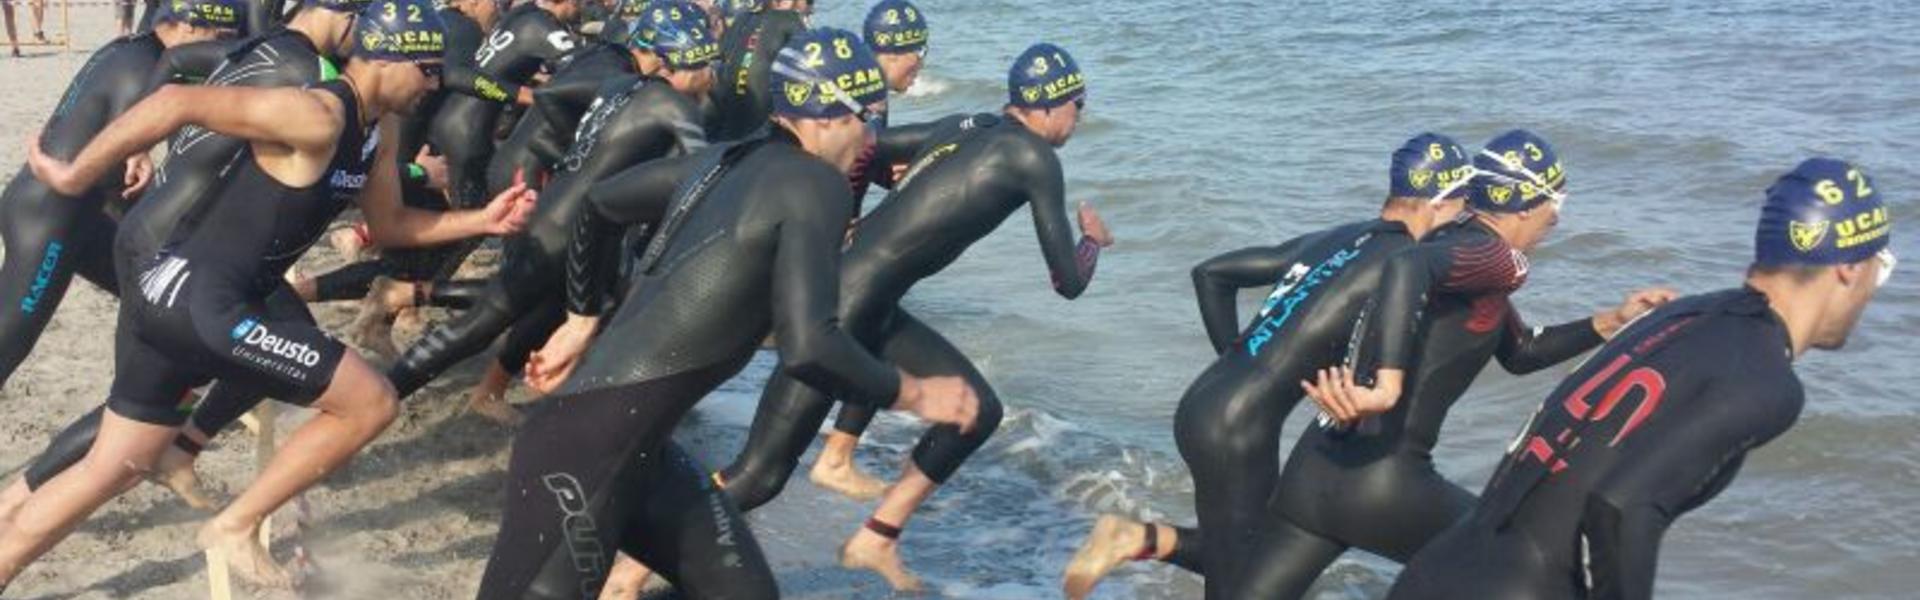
(1288,295)
(42,278)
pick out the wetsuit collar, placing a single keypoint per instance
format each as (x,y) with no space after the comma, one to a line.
(1753,302)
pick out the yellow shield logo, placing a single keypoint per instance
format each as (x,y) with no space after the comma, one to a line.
(1807,236)
(370,41)
(1420,178)
(798,93)
(1500,194)
(1032,94)
(881,39)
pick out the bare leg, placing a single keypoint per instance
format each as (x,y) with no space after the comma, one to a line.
(372,329)
(11,500)
(488,398)
(13,34)
(1114,540)
(124,453)
(834,469)
(626,579)
(871,550)
(353,411)
(39,19)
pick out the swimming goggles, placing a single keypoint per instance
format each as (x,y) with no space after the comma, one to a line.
(1534,180)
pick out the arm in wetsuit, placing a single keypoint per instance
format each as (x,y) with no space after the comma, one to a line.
(562,102)
(1218,280)
(189,63)
(1524,350)
(1034,175)
(806,288)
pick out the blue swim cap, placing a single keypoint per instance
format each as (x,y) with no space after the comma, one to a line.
(225,15)
(1825,212)
(677,32)
(630,10)
(400,30)
(1430,166)
(345,6)
(896,27)
(1516,172)
(826,73)
(1044,76)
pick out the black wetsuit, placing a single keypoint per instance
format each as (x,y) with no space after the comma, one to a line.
(1654,425)
(972,175)
(743,74)
(748,244)
(50,237)
(526,39)
(633,120)
(1228,423)
(191,175)
(1440,313)
(542,134)
(199,311)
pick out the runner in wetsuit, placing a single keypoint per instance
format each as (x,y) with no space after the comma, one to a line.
(741,94)
(1658,422)
(527,38)
(299,54)
(48,237)
(973,175)
(1441,311)
(634,119)
(200,310)
(1228,423)
(748,241)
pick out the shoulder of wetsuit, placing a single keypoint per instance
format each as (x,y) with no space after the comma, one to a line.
(659,99)
(458,24)
(1034,157)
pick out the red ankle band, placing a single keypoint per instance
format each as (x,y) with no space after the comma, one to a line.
(885,530)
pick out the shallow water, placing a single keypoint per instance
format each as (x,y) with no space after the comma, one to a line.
(1218,125)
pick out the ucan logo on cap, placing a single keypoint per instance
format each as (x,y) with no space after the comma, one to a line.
(1824,212)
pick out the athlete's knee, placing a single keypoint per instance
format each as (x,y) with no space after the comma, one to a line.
(753,481)
(361,395)
(987,420)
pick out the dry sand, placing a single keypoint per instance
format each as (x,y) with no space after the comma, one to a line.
(413,517)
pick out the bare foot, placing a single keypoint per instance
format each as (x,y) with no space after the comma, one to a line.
(626,580)
(347,241)
(240,551)
(495,408)
(1114,540)
(843,477)
(372,330)
(868,550)
(175,472)
(410,323)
